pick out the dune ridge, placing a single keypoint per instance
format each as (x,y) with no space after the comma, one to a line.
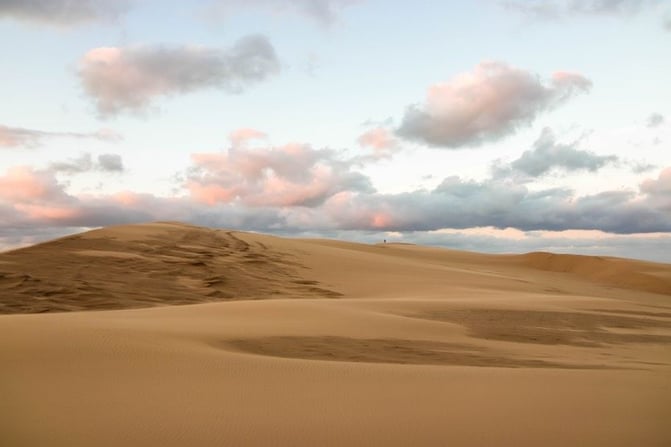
(167,263)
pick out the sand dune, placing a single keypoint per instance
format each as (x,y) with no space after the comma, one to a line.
(625,273)
(315,342)
(144,265)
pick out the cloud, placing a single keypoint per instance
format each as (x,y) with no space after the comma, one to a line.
(295,189)
(459,203)
(306,200)
(110,163)
(655,119)
(489,103)
(283,176)
(24,185)
(381,142)
(639,167)
(548,155)
(34,202)
(379,139)
(240,136)
(555,9)
(659,190)
(129,78)
(17,136)
(567,9)
(63,13)
(619,7)
(325,12)
(86,163)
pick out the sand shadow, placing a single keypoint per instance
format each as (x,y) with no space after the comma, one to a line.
(553,328)
(387,350)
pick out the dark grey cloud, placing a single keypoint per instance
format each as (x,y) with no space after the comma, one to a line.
(63,12)
(324,12)
(487,104)
(110,162)
(128,79)
(655,119)
(18,136)
(548,155)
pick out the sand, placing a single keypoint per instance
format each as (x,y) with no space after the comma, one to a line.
(168,334)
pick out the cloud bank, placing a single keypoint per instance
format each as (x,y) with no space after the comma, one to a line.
(296,187)
(486,104)
(130,78)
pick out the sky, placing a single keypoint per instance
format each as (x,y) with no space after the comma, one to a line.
(501,126)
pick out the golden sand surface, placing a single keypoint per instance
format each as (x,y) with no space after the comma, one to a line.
(167,334)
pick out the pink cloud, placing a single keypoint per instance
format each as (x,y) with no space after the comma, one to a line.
(381,220)
(126,198)
(378,139)
(488,103)
(289,175)
(658,190)
(239,136)
(210,194)
(23,183)
(279,191)
(46,212)
(508,233)
(662,185)
(11,137)
(130,78)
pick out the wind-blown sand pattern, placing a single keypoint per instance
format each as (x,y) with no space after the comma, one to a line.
(216,337)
